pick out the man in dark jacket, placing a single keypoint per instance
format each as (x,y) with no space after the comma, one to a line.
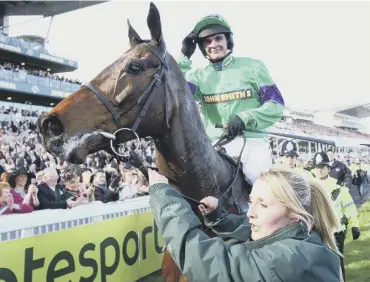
(102,192)
(339,170)
(359,180)
(51,194)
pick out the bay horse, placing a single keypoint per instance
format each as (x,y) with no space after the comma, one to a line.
(145,90)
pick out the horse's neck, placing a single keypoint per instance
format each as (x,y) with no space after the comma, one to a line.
(187,156)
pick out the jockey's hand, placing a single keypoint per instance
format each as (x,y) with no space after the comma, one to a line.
(235,127)
(208,205)
(156,178)
(355,233)
(189,44)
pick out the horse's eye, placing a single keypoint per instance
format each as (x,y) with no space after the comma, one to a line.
(135,68)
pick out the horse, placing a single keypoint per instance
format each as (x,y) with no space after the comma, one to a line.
(145,91)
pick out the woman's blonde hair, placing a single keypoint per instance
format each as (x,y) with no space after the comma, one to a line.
(307,200)
(4,176)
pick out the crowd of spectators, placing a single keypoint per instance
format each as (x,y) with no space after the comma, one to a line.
(297,126)
(32,179)
(16,112)
(35,71)
(302,126)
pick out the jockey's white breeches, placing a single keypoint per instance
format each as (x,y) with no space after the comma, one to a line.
(256,157)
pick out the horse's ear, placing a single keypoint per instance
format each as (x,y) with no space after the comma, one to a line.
(154,24)
(133,35)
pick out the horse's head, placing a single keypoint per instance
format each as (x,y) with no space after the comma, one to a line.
(127,94)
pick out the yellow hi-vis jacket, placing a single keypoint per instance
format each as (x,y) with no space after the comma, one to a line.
(343,202)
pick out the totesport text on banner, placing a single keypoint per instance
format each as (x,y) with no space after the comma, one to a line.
(121,249)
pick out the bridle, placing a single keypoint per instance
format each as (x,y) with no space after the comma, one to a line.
(144,99)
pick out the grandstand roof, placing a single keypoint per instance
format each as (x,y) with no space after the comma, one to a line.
(54,66)
(35,99)
(45,8)
(358,110)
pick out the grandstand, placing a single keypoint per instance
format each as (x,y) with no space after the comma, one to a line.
(45,8)
(357,111)
(343,125)
(28,71)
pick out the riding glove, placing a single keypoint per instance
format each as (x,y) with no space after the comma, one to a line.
(235,127)
(189,44)
(355,233)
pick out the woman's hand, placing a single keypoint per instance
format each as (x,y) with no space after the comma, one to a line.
(30,191)
(33,190)
(10,202)
(208,205)
(156,178)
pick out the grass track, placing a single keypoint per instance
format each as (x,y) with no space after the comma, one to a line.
(357,253)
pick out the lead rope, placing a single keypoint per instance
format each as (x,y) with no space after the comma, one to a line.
(144,169)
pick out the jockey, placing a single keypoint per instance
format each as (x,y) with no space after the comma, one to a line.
(233,91)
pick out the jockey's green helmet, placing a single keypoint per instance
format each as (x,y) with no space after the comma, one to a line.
(210,25)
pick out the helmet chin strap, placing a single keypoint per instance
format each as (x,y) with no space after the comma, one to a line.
(219,60)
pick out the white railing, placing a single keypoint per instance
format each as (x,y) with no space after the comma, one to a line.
(17,226)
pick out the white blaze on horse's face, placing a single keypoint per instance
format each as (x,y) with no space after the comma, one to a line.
(216,46)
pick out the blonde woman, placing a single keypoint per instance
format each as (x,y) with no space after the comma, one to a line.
(288,234)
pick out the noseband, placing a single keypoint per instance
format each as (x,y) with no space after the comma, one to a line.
(144,99)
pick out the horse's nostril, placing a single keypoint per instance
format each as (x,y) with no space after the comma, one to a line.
(56,129)
(52,126)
